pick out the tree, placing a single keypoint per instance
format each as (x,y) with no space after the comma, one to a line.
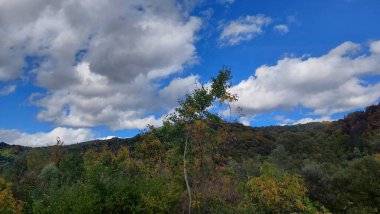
(358,186)
(193,113)
(276,192)
(196,106)
(279,156)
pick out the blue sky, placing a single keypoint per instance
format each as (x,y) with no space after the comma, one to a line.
(98,69)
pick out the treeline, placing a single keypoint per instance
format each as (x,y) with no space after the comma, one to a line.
(198,163)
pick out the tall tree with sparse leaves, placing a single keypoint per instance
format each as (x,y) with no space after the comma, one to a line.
(194,109)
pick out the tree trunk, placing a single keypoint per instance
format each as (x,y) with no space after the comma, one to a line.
(185,174)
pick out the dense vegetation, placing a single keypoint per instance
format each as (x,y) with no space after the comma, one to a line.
(198,163)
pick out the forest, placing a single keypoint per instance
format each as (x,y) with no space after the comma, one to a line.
(198,162)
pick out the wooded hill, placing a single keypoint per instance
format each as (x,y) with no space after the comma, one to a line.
(198,163)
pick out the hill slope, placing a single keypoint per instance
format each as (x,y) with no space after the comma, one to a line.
(331,166)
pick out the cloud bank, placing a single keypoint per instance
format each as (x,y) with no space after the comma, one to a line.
(329,84)
(68,135)
(100,62)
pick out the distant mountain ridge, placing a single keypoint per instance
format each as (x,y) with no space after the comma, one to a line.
(354,123)
(338,161)
(251,140)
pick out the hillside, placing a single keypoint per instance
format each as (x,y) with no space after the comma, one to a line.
(335,166)
(253,140)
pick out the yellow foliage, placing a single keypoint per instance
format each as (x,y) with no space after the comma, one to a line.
(8,204)
(274,192)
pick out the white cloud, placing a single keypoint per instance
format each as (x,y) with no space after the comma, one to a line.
(68,135)
(282,29)
(124,39)
(283,121)
(243,29)
(107,137)
(101,62)
(7,90)
(375,47)
(245,120)
(310,120)
(327,84)
(94,100)
(177,88)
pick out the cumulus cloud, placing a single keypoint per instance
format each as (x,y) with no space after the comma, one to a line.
(95,100)
(122,39)
(243,29)
(282,29)
(6,90)
(177,88)
(68,135)
(101,62)
(326,85)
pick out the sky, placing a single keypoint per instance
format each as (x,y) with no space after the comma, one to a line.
(93,69)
